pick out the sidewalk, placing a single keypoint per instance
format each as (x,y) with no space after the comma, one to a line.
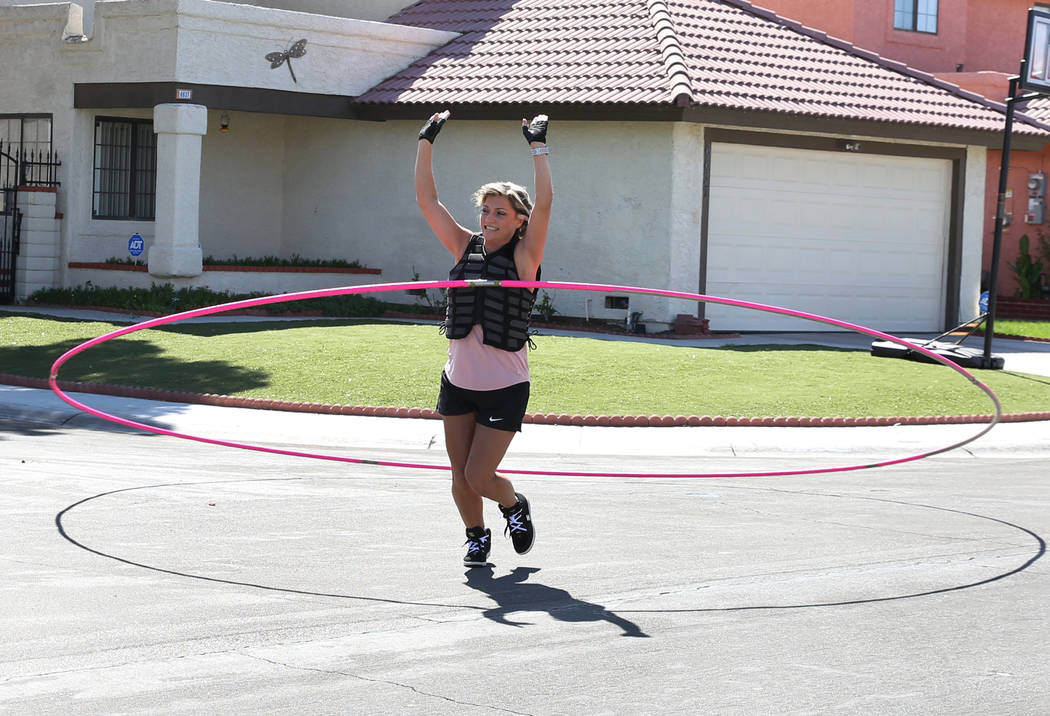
(345,435)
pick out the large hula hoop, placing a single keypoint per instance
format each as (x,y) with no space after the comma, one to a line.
(554,285)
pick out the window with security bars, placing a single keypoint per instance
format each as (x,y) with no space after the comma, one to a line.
(125,170)
(915,15)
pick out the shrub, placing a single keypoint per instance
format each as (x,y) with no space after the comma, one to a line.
(294,261)
(164,298)
(1027,270)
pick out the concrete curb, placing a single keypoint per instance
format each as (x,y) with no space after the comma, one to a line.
(536,418)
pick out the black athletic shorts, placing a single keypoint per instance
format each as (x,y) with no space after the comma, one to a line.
(502,409)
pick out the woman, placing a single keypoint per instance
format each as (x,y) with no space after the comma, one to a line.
(485,383)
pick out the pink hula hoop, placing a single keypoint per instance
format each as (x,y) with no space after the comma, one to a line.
(378,288)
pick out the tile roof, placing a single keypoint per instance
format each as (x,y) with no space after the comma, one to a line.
(700,53)
(1038,108)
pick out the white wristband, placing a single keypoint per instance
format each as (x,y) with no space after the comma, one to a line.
(537,151)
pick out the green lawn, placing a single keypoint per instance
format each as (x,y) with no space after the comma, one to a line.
(373,363)
(1024,329)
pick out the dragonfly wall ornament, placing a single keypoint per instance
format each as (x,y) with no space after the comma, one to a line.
(276,59)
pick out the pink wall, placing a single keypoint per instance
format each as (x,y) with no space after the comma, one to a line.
(1021,164)
(977,34)
(995,35)
(932,53)
(831,16)
(993,85)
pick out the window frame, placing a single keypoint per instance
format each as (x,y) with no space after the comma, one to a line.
(914,16)
(15,154)
(131,193)
(22,117)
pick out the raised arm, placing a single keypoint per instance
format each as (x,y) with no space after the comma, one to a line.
(453,236)
(535,239)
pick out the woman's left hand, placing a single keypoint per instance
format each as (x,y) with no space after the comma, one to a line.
(433,126)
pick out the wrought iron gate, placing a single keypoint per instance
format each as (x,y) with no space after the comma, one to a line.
(18,169)
(10,229)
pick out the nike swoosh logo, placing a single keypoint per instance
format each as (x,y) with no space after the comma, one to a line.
(495,420)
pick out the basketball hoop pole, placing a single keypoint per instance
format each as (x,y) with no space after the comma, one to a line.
(1034,78)
(997,240)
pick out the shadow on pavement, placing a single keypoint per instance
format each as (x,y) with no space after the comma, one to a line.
(28,427)
(512,593)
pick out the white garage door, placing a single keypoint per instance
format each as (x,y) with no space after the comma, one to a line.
(861,238)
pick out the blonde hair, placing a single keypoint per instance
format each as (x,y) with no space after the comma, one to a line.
(517,195)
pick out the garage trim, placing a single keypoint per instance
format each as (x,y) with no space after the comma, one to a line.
(957,156)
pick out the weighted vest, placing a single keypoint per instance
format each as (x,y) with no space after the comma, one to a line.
(502,312)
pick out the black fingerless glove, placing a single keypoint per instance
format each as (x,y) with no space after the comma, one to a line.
(536,131)
(432,127)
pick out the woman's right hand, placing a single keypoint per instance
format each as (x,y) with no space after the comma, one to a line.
(536,130)
(433,126)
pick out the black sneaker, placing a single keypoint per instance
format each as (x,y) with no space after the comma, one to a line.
(519,524)
(478,543)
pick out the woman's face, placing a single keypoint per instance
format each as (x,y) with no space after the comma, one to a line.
(498,220)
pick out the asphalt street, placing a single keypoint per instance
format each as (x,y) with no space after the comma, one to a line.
(147,574)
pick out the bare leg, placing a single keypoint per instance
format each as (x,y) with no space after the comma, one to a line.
(475,451)
(486,452)
(459,434)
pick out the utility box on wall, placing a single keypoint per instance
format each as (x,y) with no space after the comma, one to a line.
(1036,212)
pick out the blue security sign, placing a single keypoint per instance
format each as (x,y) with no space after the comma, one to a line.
(136,245)
(983,303)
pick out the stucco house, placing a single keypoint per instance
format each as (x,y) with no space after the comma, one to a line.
(701,145)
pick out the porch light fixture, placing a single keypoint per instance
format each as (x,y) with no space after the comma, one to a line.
(224,123)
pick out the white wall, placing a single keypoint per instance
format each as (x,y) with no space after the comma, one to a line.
(359,9)
(369,10)
(685,220)
(87,239)
(72,9)
(241,198)
(234,282)
(349,194)
(374,10)
(243,185)
(85,13)
(226,44)
(972,233)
